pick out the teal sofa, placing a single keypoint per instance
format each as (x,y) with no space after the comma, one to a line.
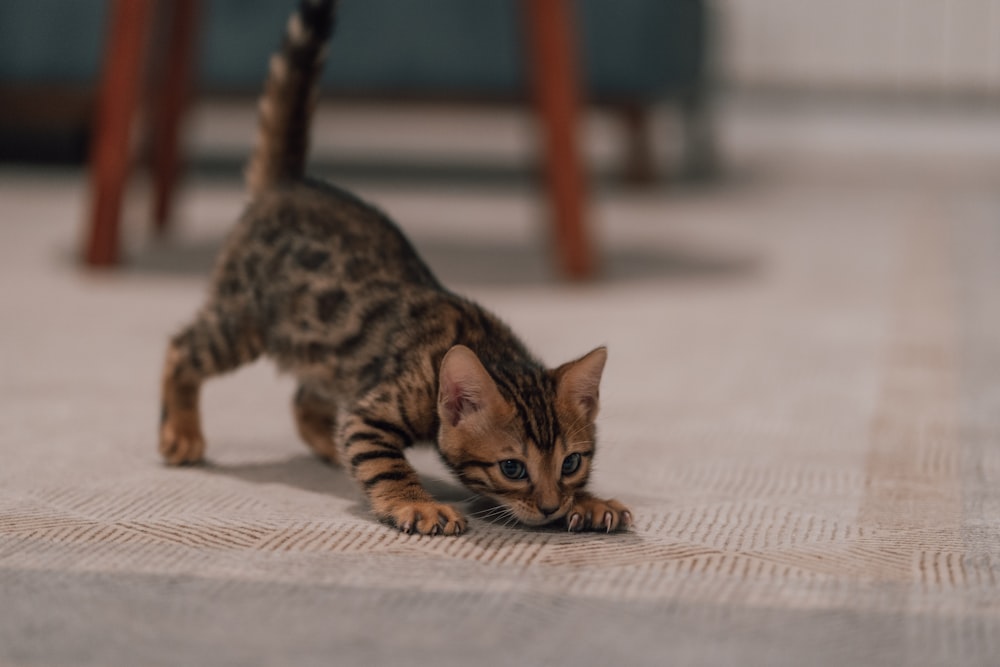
(633,52)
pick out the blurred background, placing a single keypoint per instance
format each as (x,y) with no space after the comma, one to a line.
(667,94)
(444,94)
(54,52)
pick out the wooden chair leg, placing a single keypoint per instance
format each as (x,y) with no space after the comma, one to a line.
(172,99)
(639,169)
(553,58)
(118,103)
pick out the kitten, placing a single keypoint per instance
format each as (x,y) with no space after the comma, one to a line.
(328,287)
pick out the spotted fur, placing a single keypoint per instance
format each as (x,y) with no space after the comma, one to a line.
(331,290)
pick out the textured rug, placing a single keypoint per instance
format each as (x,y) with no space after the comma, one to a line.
(802,407)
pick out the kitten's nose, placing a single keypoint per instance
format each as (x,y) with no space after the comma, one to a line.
(548,510)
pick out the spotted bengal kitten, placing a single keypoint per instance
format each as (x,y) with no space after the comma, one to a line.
(329,287)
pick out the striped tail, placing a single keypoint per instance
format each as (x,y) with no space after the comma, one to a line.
(289,96)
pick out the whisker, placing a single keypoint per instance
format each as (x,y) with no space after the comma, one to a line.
(504,519)
(577,442)
(575,427)
(490,512)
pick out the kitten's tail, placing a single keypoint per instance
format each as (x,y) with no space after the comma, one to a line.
(289,96)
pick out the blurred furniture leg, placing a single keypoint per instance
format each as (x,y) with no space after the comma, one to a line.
(118,103)
(172,95)
(552,50)
(639,169)
(122,85)
(553,56)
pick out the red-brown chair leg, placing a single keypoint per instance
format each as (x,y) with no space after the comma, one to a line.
(552,56)
(172,100)
(639,169)
(117,105)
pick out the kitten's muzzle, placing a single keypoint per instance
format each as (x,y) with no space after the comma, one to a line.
(544,516)
(548,511)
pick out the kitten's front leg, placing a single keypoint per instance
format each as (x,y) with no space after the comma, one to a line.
(373,448)
(591,513)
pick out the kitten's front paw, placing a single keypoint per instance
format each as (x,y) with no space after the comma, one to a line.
(426,518)
(590,513)
(181,442)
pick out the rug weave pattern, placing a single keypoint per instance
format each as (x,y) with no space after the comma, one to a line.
(811,451)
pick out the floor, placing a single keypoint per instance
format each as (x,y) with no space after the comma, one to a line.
(801,406)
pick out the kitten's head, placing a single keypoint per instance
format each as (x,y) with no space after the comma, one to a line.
(525,436)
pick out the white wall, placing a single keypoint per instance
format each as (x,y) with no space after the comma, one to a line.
(920,46)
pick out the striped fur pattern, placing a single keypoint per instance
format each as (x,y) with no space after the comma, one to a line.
(331,290)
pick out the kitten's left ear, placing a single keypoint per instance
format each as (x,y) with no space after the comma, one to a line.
(578,383)
(465,388)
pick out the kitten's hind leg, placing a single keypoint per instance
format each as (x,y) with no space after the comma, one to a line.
(315,417)
(215,343)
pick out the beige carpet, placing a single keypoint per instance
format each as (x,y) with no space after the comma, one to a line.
(802,406)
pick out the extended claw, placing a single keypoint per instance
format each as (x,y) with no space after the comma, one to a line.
(591,513)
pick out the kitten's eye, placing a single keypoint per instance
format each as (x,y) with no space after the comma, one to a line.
(513,469)
(571,464)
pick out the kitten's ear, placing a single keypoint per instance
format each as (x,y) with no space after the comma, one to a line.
(579,383)
(465,388)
